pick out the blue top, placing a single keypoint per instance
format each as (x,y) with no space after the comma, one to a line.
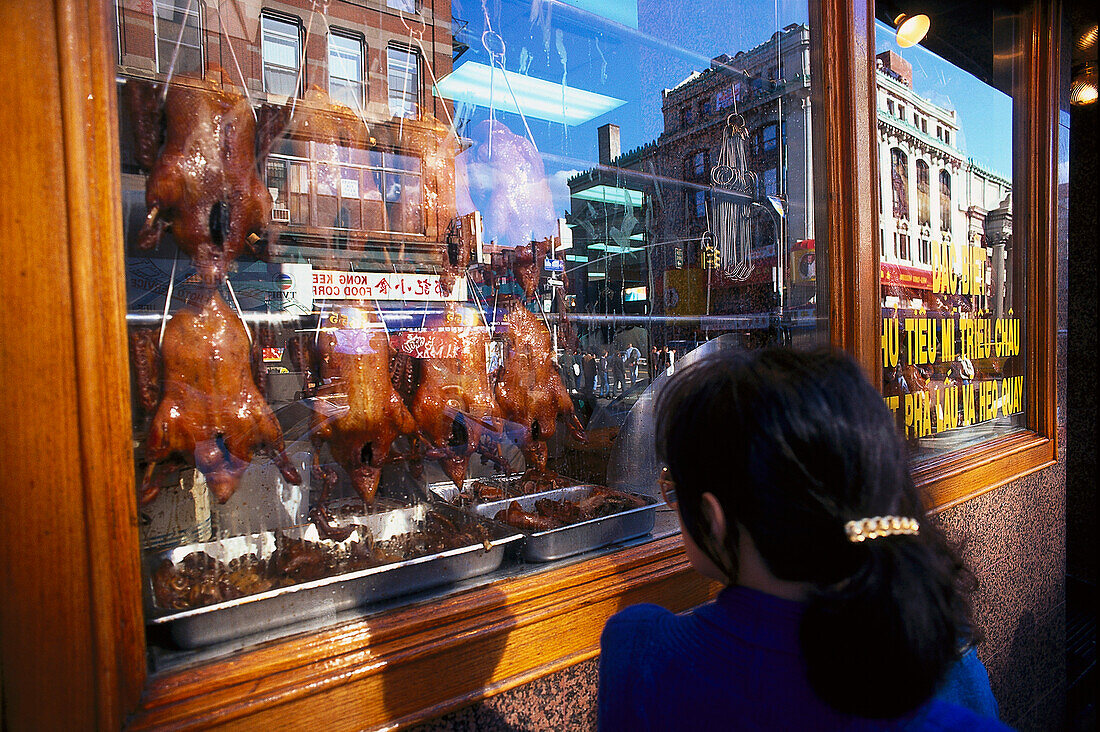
(736,664)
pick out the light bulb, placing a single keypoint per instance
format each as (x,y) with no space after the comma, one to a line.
(911,29)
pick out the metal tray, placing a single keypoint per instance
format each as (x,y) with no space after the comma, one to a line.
(583,536)
(447,492)
(294,603)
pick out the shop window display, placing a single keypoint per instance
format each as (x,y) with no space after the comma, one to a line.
(408,342)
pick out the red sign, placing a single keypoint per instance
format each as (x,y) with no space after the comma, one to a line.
(898,275)
(272,355)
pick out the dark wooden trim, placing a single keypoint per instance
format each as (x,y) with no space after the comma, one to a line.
(70,623)
(91,170)
(842,54)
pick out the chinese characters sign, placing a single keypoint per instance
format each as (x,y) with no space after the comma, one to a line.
(335,285)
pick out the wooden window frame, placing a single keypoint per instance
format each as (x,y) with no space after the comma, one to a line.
(72,648)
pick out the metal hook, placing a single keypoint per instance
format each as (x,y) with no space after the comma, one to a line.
(487,38)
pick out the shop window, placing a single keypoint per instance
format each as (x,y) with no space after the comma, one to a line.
(281,47)
(179,33)
(384,236)
(952,357)
(403,77)
(346,78)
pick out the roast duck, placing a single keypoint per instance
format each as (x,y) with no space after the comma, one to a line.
(203,185)
(530,392)
(357,411)
(210,411)
(520,204)
(197,140)
(453,405)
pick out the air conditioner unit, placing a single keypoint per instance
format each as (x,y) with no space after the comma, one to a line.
(280,215)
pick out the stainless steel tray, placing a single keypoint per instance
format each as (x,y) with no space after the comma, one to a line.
(294,603)
(449,493)
(546,546)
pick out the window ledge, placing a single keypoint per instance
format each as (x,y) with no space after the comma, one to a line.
(962,476)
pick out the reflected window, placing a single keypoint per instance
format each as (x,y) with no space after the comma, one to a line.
(407,6)
(924,216)
(769,137)
(403,77)
(178,28)
(945,201)
(282,55)
(345,69)
(899,183)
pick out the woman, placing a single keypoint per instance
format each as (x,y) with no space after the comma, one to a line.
(779,465)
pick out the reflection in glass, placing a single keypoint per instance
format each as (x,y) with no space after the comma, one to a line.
(951,316)
(545,211)
(282,53)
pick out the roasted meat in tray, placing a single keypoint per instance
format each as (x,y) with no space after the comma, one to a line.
(573,520)
(498,488)
(215,591)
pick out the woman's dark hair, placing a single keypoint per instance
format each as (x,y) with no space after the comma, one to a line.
(794,445)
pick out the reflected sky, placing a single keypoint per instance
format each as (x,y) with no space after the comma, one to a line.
(985,113)
(592,45)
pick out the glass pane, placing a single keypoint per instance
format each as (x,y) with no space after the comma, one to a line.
(281,56)
(357,327)
(179,38)
(951,271)
(404,82)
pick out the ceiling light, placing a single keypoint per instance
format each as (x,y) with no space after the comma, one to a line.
(610,194)
(911,29)
(1087,40)
(1082,90)
(508,91)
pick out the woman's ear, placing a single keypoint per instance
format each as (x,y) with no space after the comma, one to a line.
(715,517)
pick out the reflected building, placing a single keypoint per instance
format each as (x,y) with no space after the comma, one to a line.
(639,218)
(933,195)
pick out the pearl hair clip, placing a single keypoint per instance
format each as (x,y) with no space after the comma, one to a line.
(873,528)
